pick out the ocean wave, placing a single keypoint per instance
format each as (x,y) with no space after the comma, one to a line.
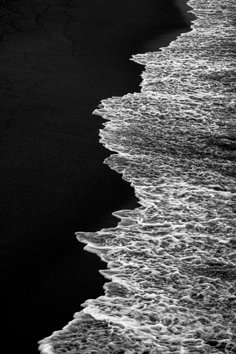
(171,261)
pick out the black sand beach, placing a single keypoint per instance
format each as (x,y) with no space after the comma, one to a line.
(58,59)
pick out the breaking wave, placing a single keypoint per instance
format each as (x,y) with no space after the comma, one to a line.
(171,261)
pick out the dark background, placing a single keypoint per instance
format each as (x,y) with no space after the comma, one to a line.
(58,59)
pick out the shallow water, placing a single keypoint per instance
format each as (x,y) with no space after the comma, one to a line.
(171,261)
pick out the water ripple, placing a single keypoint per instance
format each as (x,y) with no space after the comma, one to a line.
(171,261)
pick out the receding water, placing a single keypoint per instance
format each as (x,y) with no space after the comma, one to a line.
(172,260)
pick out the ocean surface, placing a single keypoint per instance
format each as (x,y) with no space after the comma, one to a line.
(171,262)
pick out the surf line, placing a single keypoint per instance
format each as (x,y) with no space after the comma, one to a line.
(171,261)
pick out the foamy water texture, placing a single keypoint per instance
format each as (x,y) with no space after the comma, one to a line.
(171,261)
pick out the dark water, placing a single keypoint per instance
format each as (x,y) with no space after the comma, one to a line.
(58,60)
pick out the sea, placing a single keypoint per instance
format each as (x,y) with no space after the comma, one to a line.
(171,262)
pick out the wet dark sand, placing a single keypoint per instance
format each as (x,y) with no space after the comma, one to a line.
(58,59)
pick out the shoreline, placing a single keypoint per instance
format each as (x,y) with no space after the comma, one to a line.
(53,178)
(170,260)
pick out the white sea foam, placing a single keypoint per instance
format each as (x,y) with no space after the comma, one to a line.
(171,261)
